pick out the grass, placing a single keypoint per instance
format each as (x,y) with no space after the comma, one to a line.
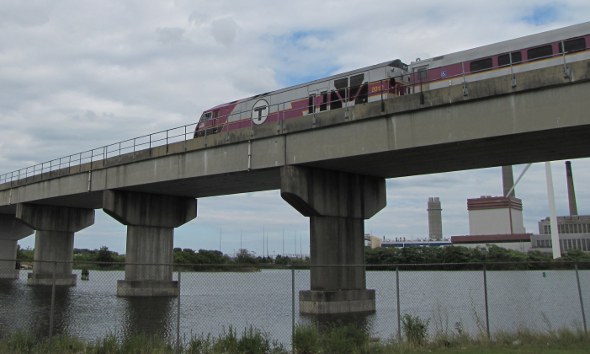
(308,340)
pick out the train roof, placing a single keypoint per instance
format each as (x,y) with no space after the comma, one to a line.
(528,41)
(394,63)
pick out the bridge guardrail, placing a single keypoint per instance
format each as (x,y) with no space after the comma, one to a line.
(411,83)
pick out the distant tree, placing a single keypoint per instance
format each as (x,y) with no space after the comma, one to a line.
(245,257)
(24,255)
(104,255)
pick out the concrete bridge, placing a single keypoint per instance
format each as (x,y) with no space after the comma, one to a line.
(330,166)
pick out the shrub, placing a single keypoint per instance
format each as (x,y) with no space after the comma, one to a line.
(415,329)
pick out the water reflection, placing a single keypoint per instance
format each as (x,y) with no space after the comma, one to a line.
(40,310)
(148,316)
(8,290)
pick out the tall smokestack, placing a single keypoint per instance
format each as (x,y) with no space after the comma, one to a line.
(434,219)
(507,181)
(571,193)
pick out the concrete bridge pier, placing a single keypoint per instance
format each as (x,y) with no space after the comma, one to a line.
(54,240)
(150,220)
(11,230)
(337,204)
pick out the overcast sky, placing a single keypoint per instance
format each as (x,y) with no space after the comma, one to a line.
(76,75)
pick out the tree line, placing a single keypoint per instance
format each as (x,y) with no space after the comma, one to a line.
(461,257)
(198,260)
(456,257)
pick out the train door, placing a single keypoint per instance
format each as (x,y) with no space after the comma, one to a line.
(349,91)
(359,91)
(419,78)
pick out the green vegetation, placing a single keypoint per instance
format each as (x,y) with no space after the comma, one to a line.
(459,257)
(456,257)
(309,340)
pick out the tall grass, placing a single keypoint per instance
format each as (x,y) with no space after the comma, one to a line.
(310,339)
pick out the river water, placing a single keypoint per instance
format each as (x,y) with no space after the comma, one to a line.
(211,302)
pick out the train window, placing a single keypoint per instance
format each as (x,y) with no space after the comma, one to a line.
(206,116)
(310,104)
(324,103)
(362,94)
(573,45)
(335,101)
(480,65)
(356,82)
(339,96)
(341,83)
(540,52)
(504,59)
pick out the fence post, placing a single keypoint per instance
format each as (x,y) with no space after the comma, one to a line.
(581,299)
(485,290)
(292,309)
(399,318)
(178,316)
(52,307)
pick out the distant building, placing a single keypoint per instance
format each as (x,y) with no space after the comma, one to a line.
(497,221)
(495,216)
(574,234)
(516,242)
(402,242)
(434,219)
(573,230)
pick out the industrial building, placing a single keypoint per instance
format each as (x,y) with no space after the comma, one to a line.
(498,220)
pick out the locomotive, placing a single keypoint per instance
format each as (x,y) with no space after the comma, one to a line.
(395,78)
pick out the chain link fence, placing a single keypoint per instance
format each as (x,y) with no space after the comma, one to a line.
(479,301)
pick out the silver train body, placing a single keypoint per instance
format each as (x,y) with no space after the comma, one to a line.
(394,78)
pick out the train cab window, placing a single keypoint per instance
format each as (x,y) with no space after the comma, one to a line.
(504,59)
(573,45)
(480,65)
(206,116)
(540,52)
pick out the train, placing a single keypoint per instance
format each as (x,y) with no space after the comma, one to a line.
(395,78)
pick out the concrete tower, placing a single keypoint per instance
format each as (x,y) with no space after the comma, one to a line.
(507,181)
(434,219)
(571,193)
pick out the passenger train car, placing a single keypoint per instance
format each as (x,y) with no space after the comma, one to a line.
(394,78)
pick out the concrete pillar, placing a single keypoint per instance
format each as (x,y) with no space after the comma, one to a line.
(54,240)
(11,230)
(150,221)
(337,204)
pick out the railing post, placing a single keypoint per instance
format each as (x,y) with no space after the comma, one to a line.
(399,317)
(52,307)
(581,300)
(178,316)
(485,290)
(292,309)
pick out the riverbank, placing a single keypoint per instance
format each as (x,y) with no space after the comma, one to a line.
(307,340)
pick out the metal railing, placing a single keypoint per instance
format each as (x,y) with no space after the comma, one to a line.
(410,83)
(480,301)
